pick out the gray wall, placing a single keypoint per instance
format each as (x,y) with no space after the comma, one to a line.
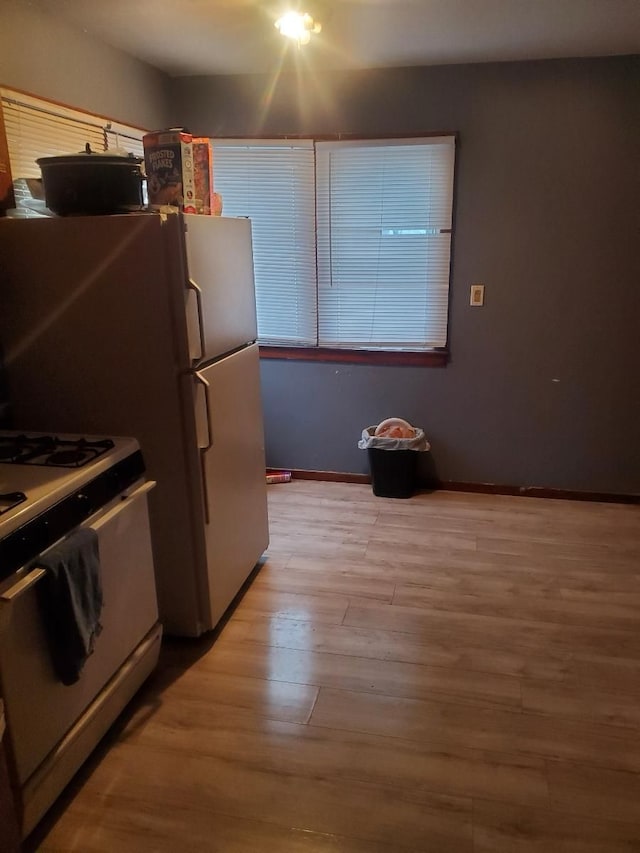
(44,56)
(543,383)
(546,217)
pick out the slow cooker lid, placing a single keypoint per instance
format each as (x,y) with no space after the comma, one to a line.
(118,156)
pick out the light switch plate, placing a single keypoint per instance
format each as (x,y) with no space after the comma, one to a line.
(477,295)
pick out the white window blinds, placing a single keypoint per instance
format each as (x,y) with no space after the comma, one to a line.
(384,213)
(34,131)
(124,138)
(37,128)
(272,182)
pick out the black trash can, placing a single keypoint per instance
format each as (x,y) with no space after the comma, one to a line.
(393,462)
(393,472)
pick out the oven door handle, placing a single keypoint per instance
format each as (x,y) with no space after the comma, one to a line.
(21,586)
(144,489)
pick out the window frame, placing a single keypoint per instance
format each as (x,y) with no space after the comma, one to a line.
(435,357)
(410,358)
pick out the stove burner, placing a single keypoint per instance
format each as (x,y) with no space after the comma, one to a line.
(50,450)
(22,448)
(66,457)
(11,499)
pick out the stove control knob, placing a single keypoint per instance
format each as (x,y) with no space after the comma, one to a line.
(83,502)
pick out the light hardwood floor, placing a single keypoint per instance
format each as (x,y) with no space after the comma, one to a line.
(452,673)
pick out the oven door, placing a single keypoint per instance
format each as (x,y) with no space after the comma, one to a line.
(39,708)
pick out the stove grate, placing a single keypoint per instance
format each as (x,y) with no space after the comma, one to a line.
(51,450)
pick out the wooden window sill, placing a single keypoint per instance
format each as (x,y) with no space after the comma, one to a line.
(431,358)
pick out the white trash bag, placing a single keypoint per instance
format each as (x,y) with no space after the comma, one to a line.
(393,434)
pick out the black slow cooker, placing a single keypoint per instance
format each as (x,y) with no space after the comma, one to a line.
(92,182)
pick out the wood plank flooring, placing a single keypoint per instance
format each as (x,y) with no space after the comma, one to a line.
(456,672)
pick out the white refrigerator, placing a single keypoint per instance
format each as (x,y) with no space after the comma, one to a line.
(145,325)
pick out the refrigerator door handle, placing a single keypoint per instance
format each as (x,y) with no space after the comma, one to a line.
(203,450)
(192,285)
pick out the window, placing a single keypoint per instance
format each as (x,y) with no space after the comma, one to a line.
(352,238)
(273,183)
(37,128)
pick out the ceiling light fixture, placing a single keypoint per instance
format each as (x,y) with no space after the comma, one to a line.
(298,26)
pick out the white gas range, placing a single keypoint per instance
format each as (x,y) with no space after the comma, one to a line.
(50,487)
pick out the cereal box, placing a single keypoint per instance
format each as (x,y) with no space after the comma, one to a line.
(203,174)
(168,159)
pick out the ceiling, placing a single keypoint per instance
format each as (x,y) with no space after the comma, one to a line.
(184,37)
